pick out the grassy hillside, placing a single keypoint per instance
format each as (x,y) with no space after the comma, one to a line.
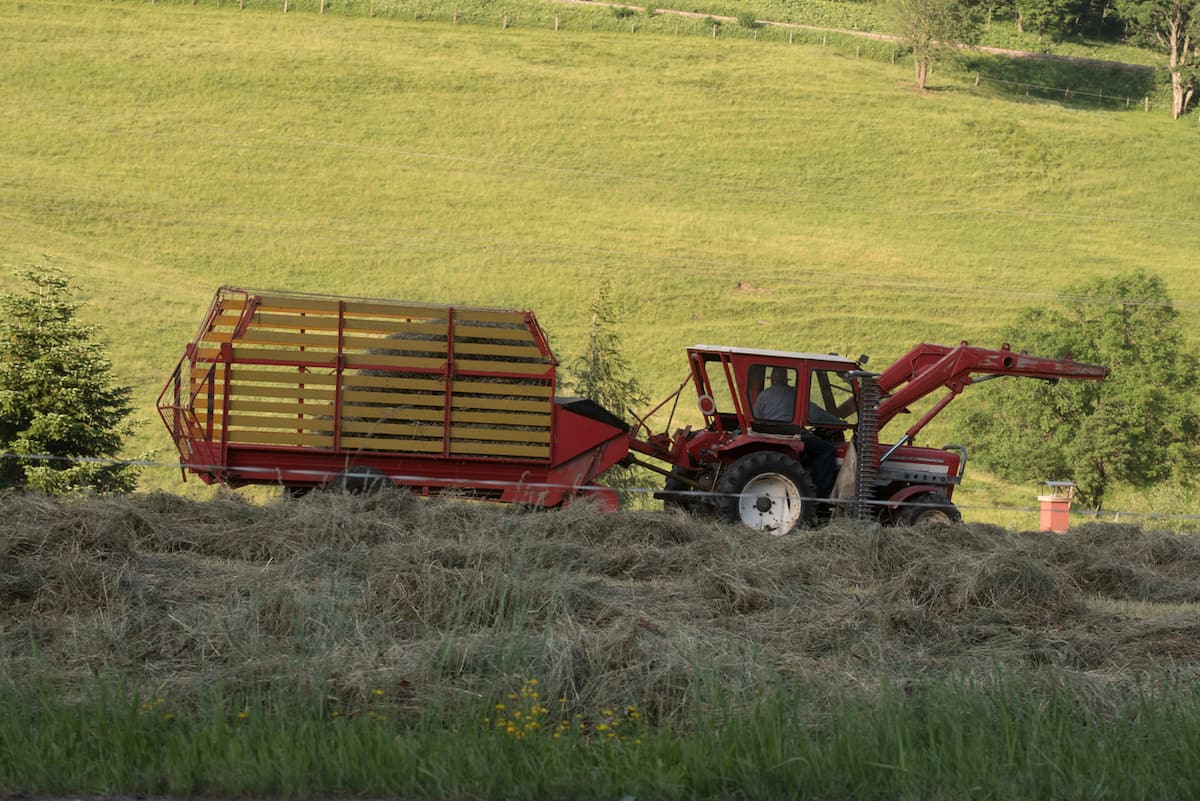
(738,191)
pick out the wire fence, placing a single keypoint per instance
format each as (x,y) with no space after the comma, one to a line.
(1067,94)
(274,475)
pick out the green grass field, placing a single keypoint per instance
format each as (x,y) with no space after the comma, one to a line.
(737,191)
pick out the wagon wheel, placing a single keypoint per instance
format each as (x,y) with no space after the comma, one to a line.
(360,480)
(768,491)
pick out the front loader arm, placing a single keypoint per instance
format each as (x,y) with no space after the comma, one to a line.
(926,368)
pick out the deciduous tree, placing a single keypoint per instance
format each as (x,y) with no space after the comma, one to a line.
(1137,427)
(1046,16)
(58,398)
(928,26)
(1173,25)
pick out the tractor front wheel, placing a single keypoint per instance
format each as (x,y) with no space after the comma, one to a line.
(768,491)
(928,509)
(679,492)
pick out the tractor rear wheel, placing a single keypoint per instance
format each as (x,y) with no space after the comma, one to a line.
(928,509)
(768,491)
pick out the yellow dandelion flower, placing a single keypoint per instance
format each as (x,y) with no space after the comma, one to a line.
(245,713)
(512,696)
(534,682)
(500,706)
(608,713)
(377,692)
(602,727)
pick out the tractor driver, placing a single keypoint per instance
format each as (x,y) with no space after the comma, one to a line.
(777,403)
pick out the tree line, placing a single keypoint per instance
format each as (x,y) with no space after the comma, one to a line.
(1169,27)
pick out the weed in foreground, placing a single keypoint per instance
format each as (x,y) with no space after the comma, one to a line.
(524,715)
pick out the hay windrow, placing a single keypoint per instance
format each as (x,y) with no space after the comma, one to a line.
(450,599)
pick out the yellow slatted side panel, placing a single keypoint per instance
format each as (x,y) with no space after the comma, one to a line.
(281,438)
(383,429)
(476,349)
(466,448)
(472,332)
(501,435)
(386,400)
(355,412)
(516,368)
(393,399)
(392,445)
(481,387)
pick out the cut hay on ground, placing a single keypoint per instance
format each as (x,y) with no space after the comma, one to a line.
(452,599)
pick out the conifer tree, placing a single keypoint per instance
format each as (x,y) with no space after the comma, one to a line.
(601,374)
(58,398)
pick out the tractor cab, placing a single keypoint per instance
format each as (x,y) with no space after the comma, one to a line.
(779,393)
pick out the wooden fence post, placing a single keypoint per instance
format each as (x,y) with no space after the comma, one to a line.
(322,6)
(714,31)
(977,80)
(790,35)
(893,56)
(454,19)
(1147,103)
(556,22)
(822,40)
(285,6)
(504,23)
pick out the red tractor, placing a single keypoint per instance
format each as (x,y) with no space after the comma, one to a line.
(776,464)
(308,392)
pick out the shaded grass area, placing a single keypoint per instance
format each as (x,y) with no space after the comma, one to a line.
(1084,86)
(1023,738)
